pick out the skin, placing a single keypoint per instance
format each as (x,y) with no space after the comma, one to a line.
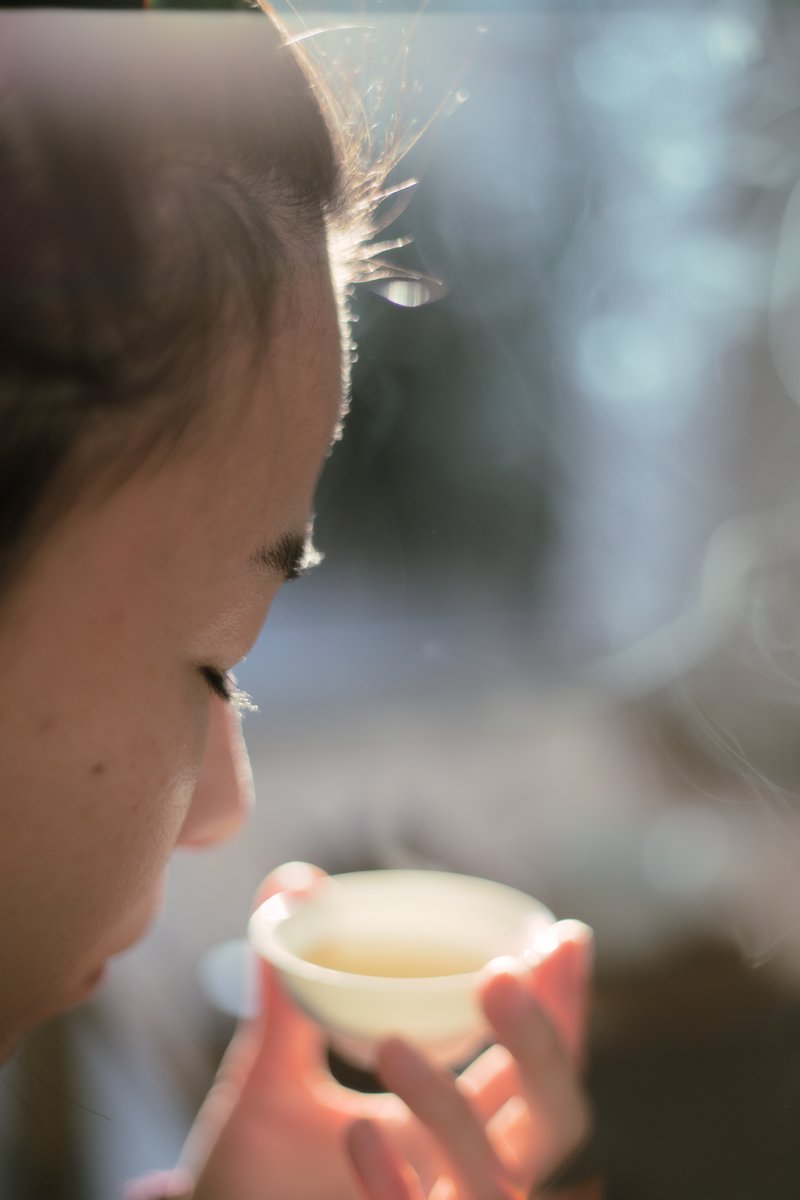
(104,712)
(115,751)
(276,1126)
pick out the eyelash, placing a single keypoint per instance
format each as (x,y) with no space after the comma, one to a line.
(220,682)
(223,685)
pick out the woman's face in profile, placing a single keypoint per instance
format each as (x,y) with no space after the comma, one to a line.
(114,747)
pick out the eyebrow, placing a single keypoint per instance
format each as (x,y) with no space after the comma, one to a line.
(290,556)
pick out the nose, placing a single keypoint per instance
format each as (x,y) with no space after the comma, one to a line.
(223,795)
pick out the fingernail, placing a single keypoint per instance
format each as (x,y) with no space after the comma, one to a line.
(366,1150)
(543,943)
(395,1053)
(575,931)
(546,941)
(297,877)
(362,1136)
(504,965)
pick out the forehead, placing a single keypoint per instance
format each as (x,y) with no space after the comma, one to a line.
(282,388)
(263,402)
(175,545)
(276,403)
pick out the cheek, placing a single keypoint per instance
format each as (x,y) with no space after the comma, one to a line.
(91,804)
(133,816)
(107,790)
(139,788)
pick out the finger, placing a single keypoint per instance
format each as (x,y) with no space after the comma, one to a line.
(560,981)
(277,1048)
(557,1119)
(296,878)
(381,1171)
(435,1098)
(490,1081)
(286,1043)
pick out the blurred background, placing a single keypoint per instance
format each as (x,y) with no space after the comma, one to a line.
(556,636)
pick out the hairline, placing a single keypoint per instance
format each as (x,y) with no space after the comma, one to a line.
(104,459)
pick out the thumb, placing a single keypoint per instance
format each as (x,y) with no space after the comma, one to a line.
(285,1041)
(270,1052)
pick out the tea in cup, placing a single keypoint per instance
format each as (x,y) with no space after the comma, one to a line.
(374,954)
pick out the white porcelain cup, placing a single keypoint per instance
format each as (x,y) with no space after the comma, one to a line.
(363,955)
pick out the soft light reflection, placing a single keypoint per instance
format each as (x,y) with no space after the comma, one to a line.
(733,40)
(641,53)
(409,293)
(687,166)
(709,271)
(687,851)
(726,271)
(610,74)
(665,43)
(455,101)
(638,366)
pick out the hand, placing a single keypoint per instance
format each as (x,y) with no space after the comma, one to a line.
(515,1115)
(277,1126)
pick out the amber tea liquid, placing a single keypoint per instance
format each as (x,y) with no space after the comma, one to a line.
(391,960)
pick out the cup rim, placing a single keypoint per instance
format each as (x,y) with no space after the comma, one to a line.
(273,912)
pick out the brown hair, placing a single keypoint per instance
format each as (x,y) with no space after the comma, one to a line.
(159,175)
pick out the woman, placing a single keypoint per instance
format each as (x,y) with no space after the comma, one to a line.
(177,226)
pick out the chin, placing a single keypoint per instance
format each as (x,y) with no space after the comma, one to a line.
(80,981)
(137,923)
(124,936)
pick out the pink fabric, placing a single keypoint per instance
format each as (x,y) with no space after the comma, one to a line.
(159,1185)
